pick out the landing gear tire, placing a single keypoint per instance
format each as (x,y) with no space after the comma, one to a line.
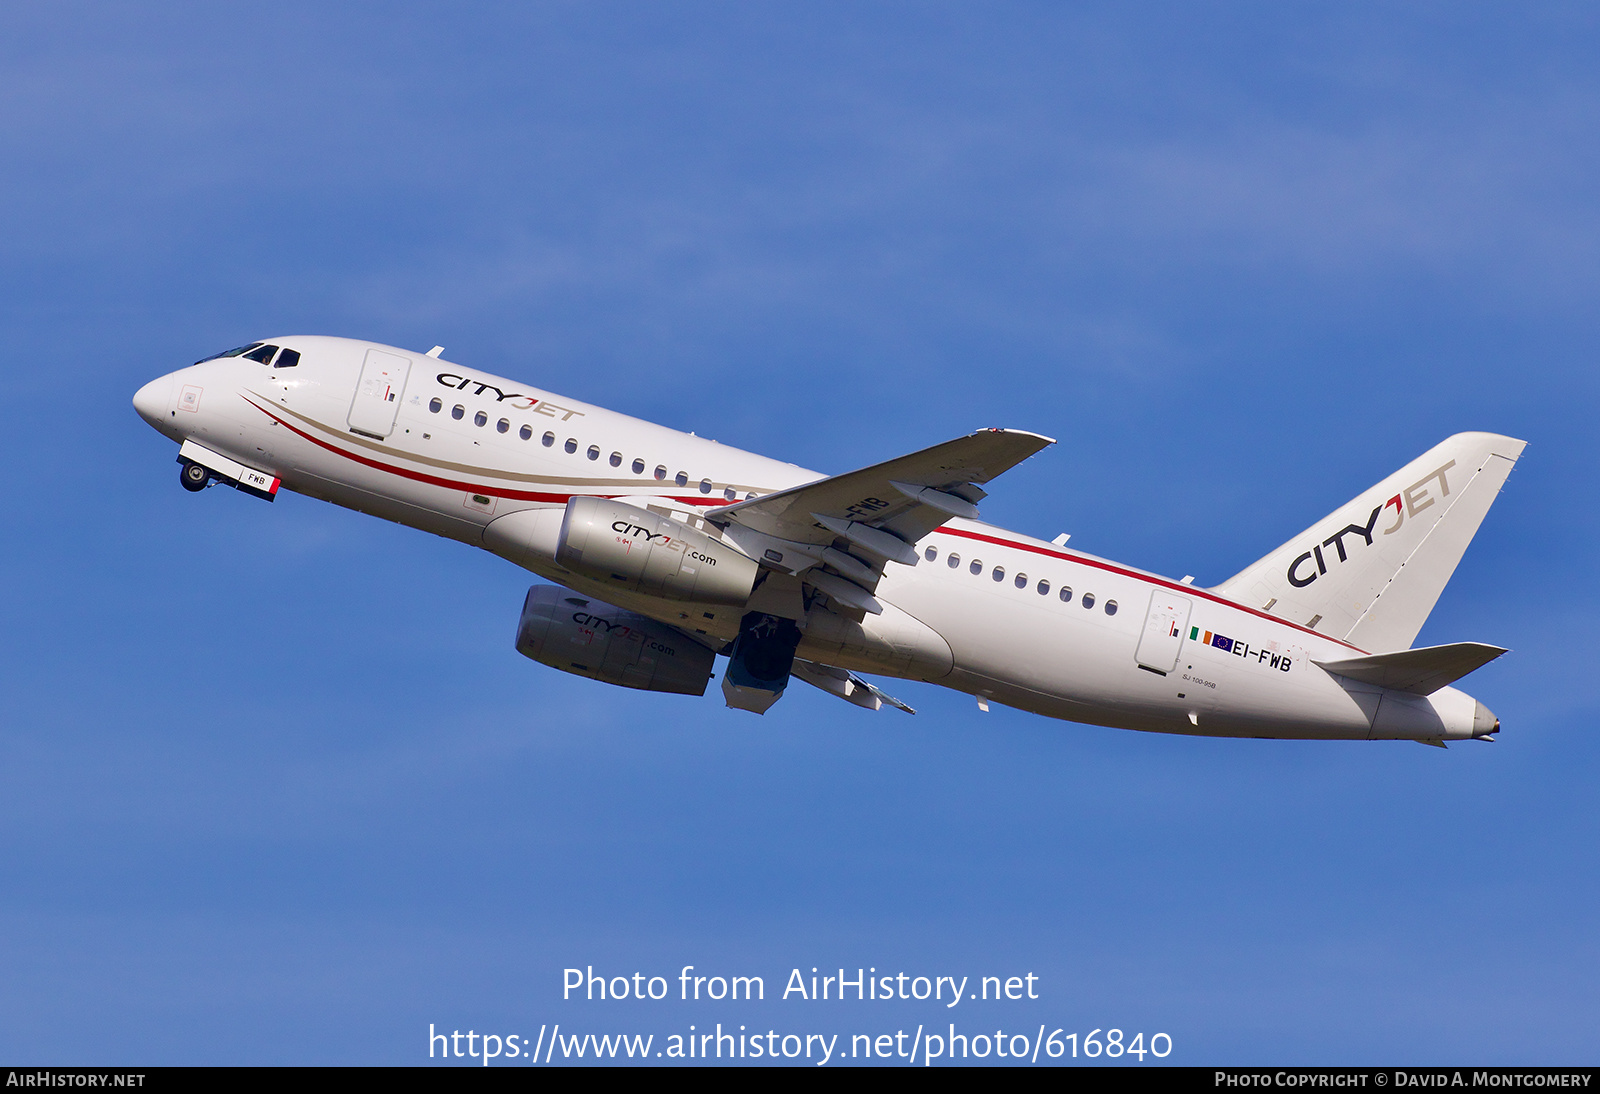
(194,477)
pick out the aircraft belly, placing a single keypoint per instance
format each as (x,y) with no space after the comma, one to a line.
(379,501)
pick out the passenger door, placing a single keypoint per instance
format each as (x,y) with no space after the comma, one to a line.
(378,392)
(1164,625)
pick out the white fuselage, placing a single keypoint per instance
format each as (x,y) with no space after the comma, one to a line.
(982,611)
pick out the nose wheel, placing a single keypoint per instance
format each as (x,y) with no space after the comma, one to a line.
(193,476)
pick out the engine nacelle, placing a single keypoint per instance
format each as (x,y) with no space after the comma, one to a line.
(575,634)
(634,549)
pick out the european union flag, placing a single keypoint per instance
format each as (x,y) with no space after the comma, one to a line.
(1223,644)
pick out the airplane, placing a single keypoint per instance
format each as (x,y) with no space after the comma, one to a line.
(666,550)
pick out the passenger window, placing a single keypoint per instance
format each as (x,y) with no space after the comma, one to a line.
(705,486)
(681,478)
(434,406)
(638,467)
(1044,588)
(616,459)
(594,452)
(661,472)
(480,419)
(976,567)
(999,573)
(1022,581)
(729,492)
(261,355)
(503,425)
(931,554)
(571,446)
(1088,600)
(548,439)
(954,560)
(1111,607)
(1066,594)
(458,412)
(526,432)
(289,358)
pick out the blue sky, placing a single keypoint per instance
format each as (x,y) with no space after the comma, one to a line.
(274,785)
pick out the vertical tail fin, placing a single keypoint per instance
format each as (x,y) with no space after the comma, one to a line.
(1371,571)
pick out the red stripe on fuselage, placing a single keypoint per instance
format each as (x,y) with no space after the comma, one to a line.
(456,484)
(562,499)
(1112,568)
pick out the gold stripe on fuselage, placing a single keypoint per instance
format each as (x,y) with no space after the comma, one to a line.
(631,485)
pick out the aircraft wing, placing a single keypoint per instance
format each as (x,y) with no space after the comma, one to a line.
(852,524)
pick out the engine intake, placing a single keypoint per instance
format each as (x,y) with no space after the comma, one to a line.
(587,638)
(634,549)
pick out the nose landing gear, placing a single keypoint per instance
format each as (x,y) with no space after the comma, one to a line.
(199,467)
(193,476)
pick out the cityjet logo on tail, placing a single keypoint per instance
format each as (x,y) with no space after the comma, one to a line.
(1408,503)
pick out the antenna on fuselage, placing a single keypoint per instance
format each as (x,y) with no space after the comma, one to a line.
(435,351)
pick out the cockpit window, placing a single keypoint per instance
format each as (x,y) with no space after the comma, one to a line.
(235,352)
(287,359)
(262,354)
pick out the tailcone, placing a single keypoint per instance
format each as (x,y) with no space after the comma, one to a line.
(1484,724)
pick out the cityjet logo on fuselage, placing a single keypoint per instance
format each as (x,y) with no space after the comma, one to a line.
(1408,503)
(515,398)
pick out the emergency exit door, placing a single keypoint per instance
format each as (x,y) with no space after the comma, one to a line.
(1164,625)
(377,401)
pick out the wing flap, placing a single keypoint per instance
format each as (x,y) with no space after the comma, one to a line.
(846,685)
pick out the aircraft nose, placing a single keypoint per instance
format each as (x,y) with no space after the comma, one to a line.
(152,399)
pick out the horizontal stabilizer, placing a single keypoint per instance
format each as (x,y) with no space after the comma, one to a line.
(1421,672)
